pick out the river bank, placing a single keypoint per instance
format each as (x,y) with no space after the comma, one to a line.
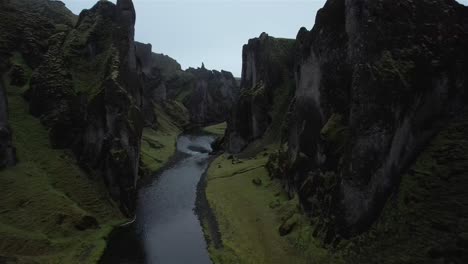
(166,221)
(246,210)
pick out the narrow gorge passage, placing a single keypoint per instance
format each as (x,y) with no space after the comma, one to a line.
(167,229)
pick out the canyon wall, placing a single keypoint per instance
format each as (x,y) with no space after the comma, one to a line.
(267,81)
(371,93)
(7,150)
(375,136)
(212,96)
(84,86)
(208,95)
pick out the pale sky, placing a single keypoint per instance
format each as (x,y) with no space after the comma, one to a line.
(214,31)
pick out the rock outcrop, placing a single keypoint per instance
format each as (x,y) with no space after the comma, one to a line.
(267,82)
(212,96)
(88,91)
(156,71)
(207,95)
(7,150)
(371,93)
(374,142)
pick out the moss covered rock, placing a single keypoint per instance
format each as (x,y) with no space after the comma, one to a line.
(267,71)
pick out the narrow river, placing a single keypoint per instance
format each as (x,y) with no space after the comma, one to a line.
(167,229)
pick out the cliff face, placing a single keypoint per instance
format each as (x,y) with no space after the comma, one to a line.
(7,150)
(380,98)
(212,96)
(153,86)
(29,41)
(78,80)
(87,90)
(267,73)
(207,95)
(371,93)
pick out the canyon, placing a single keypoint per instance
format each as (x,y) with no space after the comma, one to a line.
(347,144)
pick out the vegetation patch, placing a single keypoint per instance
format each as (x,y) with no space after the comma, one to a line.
(250,216)
(46,200)
(158,145)
(217,129)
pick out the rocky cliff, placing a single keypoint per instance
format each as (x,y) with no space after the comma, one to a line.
(375,145)
(266,87)
(7,150)
(87,90)
(207,95)
(212,96)
(153,85)
(71,95)
(85,84)
(371,94)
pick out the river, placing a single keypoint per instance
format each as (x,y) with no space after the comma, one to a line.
(167,229)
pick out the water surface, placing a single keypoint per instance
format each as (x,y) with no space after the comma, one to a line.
(167,229)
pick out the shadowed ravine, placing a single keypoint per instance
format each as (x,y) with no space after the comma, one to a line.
(167,229)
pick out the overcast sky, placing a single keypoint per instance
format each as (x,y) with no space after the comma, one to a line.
(214,31)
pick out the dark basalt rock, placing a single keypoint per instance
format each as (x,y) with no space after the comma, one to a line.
(212,96)
(207,95)
(394,82)
(267,67)
(17,76)
(375,137)
(87,222)
(7,150)
(96,111)
(153,84)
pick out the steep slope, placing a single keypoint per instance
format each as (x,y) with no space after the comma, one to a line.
(375,145)
(53,211)
(212,96)
(87,90)
(266,88)
(371,94)
(207,95)
(7,150)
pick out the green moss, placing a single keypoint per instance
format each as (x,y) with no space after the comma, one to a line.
(278,112)
(158,146)
(217,129)
(183,94)
(421,223)
(249,226)
(84,71)
(173,113)
(46,194)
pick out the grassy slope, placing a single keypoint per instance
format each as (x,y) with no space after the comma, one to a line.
(158,146)
(217,129)
(46,195)
(249,217)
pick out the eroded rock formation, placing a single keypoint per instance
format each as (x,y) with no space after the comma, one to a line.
(88,91)
(207,95)
(212,96)
(380,98)
(267,81)
(371,93)
(7,150)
